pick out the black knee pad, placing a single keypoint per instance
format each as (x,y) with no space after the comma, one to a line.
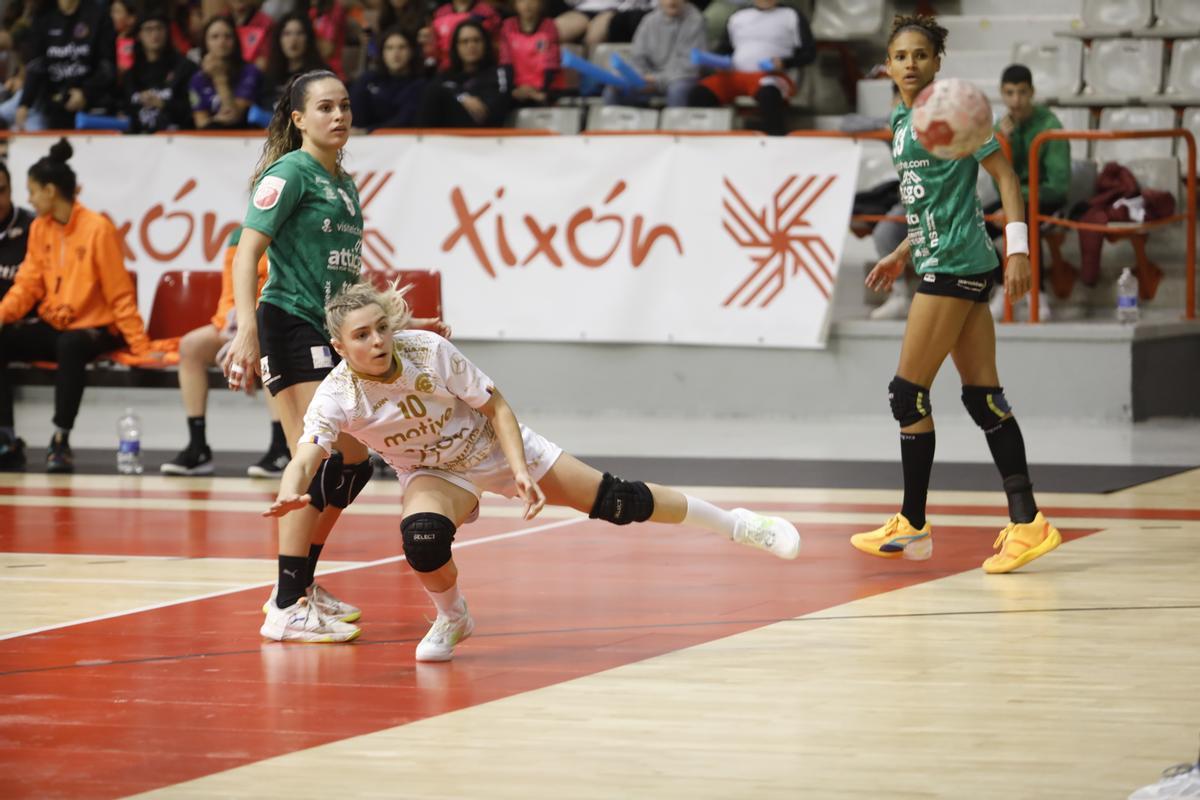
(986,405)
(337,484)
(910,402)
(622,502)
(427,539)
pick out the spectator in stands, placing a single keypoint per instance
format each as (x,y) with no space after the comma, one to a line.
(529,46)
(72,65)
(410,16)
(474,91)
(154,92)
(329,23)
(253,31)
(389,95)
(226,86)
(662,48)
(764,32)
(124,20)
(187,27)
(198,350)
(293,51)
(14,235)
(595,22)
(75,271)
(1023,121)
(445,23)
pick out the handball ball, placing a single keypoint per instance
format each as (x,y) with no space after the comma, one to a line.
(952,118)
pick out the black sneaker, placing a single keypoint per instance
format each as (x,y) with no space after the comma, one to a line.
(270,465)
(12,453)
(59,458)
(190,461)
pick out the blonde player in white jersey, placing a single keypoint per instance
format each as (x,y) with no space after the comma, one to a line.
(442,424)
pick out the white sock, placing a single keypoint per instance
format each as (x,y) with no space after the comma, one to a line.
(704,514)
(449,603)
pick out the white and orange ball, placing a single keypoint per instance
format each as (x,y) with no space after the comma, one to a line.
(952,118)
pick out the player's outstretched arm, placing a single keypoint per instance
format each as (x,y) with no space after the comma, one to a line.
(293,486)
(508,431)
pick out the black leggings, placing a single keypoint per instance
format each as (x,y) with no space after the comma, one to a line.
(72,350)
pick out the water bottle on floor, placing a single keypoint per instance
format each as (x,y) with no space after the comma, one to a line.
(129,448)
(1127,297)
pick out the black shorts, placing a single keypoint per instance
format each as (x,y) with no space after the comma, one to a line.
(965,287)
(292,350)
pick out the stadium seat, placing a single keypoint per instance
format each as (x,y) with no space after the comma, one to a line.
(1117,15)
(986,32)
(1134,119)
(1120,70)
(1178,15)
(696,119)
(425,296)
(1183,79)
(1056,66)
(1191,122)
(845,20)
(183,301)
(980,67)
(567,121)
(621,118)
(1075,119)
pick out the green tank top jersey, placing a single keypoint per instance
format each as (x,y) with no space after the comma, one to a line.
(945,220)
(315,224)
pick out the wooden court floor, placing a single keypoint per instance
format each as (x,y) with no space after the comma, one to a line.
(645,661)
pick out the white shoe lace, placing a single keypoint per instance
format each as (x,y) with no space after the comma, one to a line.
(758,531)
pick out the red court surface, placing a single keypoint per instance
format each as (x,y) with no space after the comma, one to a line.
(127,704)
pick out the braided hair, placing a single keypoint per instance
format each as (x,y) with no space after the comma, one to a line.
(920,23)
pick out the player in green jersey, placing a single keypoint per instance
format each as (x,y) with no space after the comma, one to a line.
(304,212)
(948,245)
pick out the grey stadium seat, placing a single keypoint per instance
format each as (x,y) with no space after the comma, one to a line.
(1134,119)
(622,118)
(1057,66)
(843,20)
(567,121)
(696,119)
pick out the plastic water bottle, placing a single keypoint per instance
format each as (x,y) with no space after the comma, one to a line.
(129,448)
(1127,297)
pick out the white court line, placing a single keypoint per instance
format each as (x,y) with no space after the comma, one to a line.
(112,581)
(390,560)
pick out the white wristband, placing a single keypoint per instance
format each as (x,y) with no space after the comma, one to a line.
(1016,239)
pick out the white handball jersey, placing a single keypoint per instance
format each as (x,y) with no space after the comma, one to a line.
(425,417)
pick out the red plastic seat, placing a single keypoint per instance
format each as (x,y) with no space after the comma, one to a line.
(183,302)
(425,296)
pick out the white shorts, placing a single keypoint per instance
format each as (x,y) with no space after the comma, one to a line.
(493,473)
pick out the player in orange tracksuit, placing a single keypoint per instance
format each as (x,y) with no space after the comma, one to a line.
(198,350)
(74,271)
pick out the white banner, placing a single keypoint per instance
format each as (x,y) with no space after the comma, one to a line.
(703,240)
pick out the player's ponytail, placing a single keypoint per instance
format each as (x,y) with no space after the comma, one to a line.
(282,134)
(52,170)
(354,296)
(921,23)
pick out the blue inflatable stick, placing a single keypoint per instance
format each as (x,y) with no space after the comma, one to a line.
(633,79)
(703,58)
(589,71)
(100,122)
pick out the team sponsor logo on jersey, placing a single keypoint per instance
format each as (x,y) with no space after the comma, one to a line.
(458,365)
(321,357)
(346,260)
(326,226)
(425,383)
(264,366)
(929,277)
(970,285)
(266,196)
(342,227)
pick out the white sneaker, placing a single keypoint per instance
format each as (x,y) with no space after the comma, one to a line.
(1178,782)
(438,644)
(895,307)
(330,606)
(773,534)
(325,602)
(302,622)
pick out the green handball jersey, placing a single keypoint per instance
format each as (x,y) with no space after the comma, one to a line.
(945,221)
(315,224)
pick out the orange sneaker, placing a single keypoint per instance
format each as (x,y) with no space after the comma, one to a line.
(895,539)
(1021,543)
